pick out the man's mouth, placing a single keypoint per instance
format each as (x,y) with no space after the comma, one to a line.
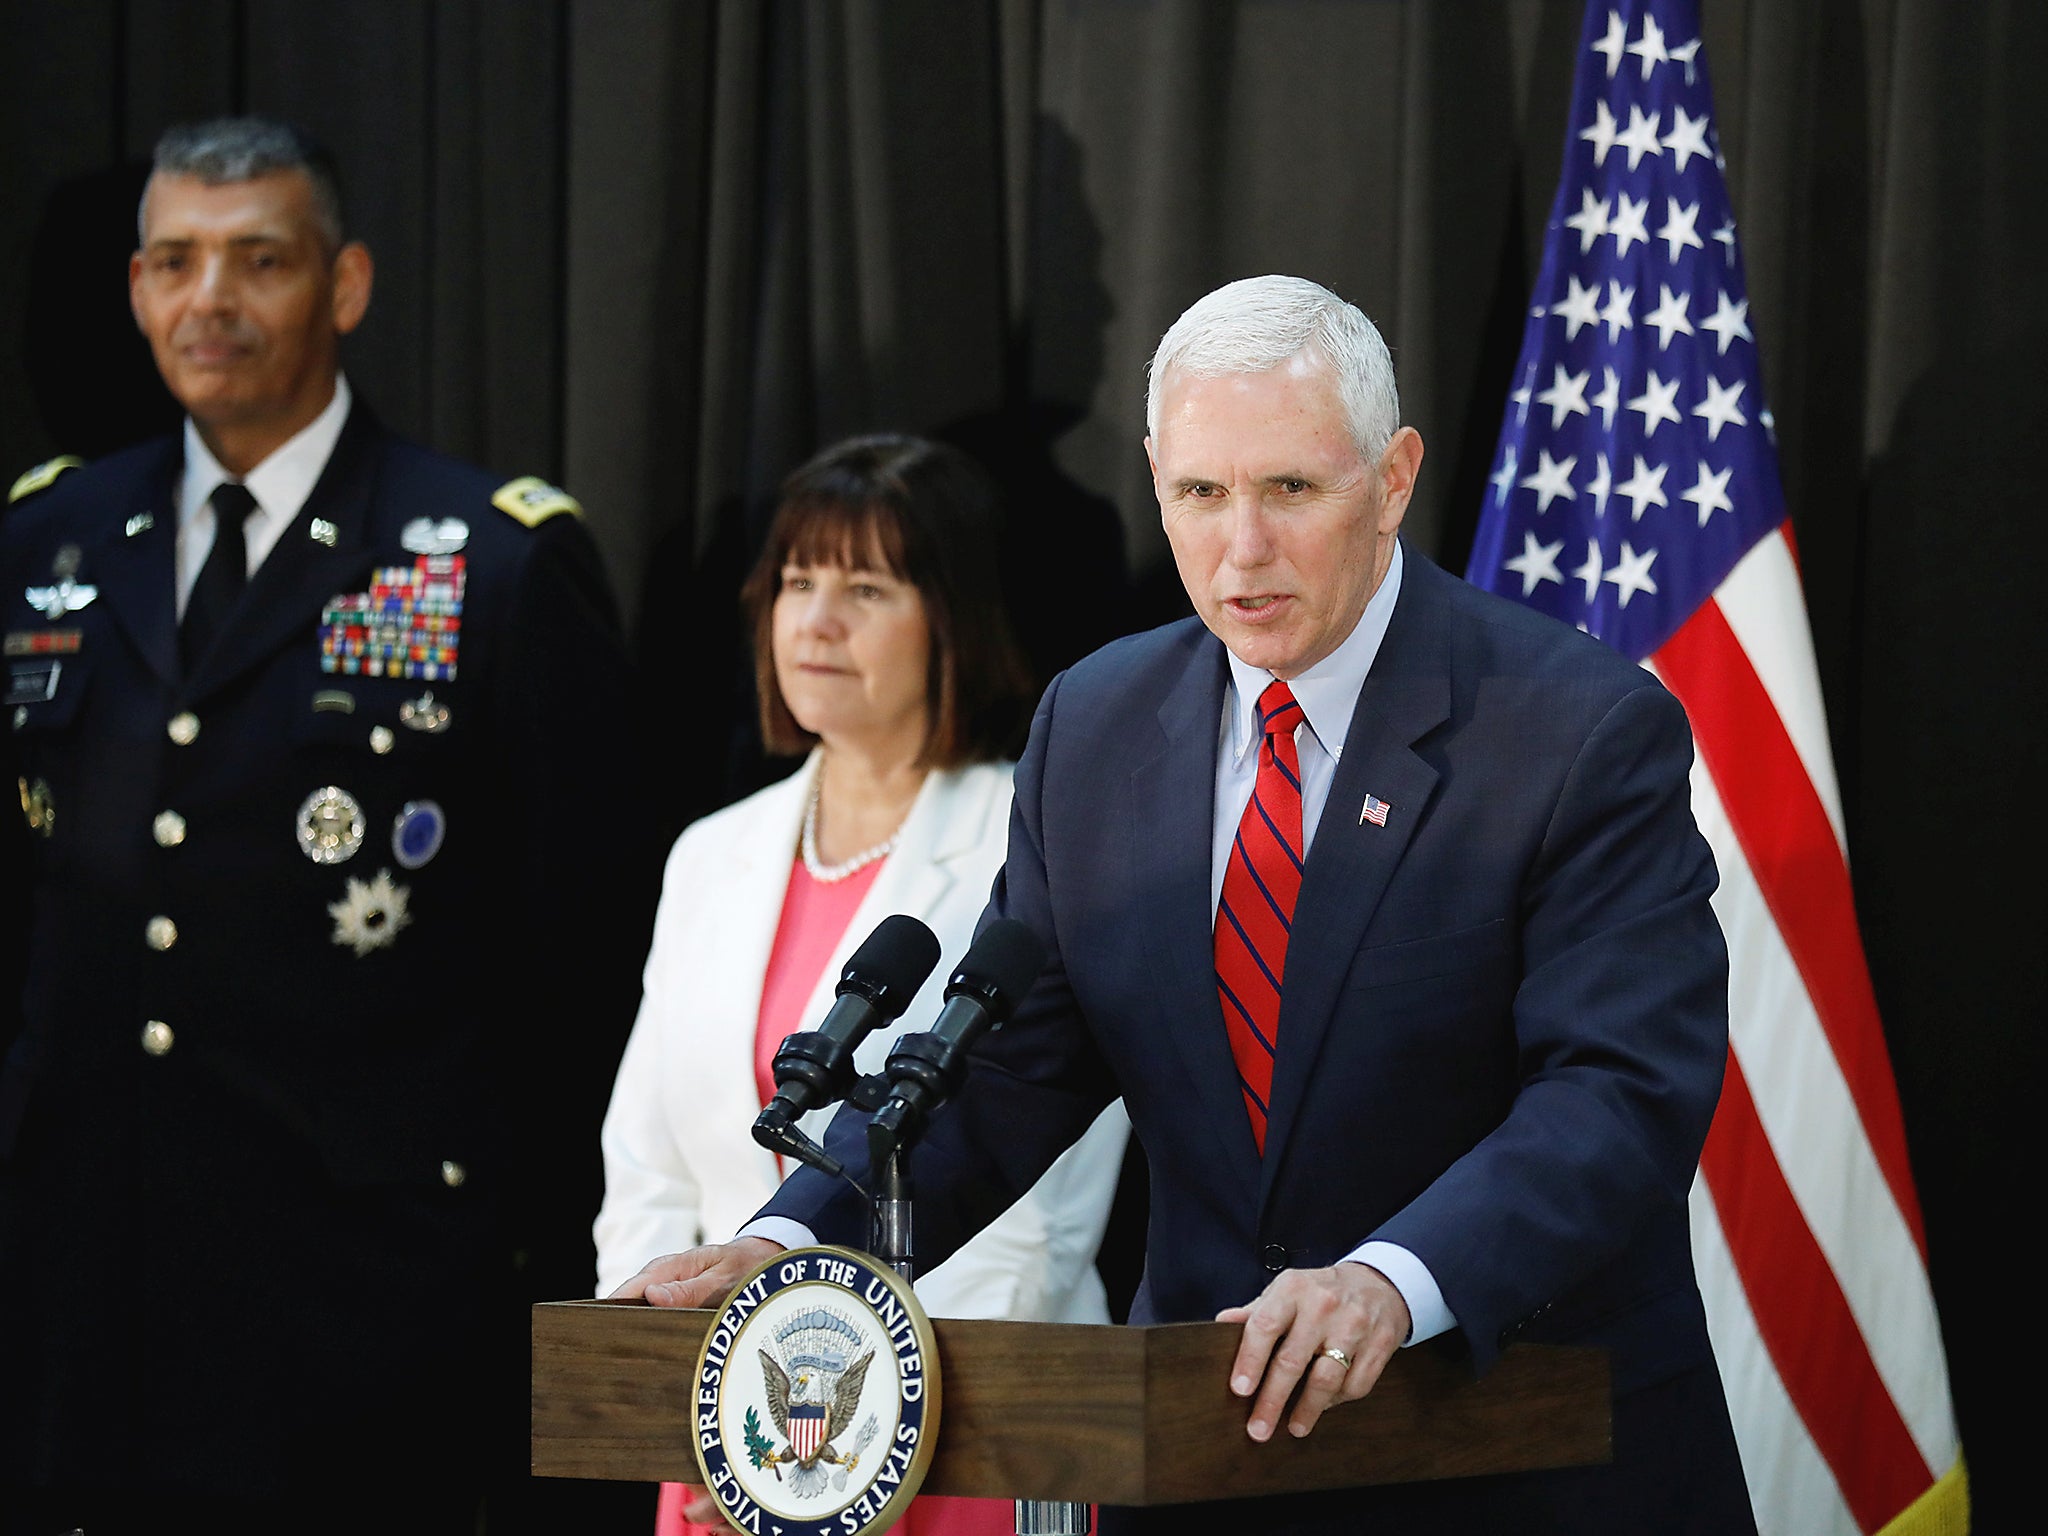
(1254,606)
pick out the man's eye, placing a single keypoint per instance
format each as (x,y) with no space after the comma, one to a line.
(1294,487)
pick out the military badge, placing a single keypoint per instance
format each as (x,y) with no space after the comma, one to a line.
(408,624)
(44,642)
(417,833)
(817,1396)
(370,914)
(425,536)
(36,808)
(330,825)
(141,522)
(424,714)
(62,597)
(323,532)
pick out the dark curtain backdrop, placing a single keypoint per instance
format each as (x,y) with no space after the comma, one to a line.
(662,251)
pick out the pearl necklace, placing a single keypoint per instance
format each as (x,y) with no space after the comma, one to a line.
(830,874)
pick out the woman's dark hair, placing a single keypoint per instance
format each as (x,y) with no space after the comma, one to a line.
(928,514)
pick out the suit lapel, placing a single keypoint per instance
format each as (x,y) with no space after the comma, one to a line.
(1172,808)
(1406,695)
(137,575)
(284,598)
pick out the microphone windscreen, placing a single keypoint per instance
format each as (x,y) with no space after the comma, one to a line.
(897,956)
(1003,960)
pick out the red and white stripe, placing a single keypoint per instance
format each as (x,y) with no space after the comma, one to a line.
(1806,1228)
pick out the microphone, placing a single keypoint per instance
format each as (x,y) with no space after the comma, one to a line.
(814,1067)
(926,1070)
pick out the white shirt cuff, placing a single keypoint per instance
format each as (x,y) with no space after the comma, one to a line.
(1407,1274)
(780,1229)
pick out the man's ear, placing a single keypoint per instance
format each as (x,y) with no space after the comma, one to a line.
(135,291)
(354,274)
(1398,468)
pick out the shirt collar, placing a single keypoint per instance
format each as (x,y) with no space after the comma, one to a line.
(1328,691)
(284,480)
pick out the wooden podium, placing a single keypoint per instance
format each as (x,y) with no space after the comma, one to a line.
(1100,1415)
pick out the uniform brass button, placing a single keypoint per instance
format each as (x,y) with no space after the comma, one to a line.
(161,933)
(169,828)
(453,1175)
(381,739)
(184,728)
(158,1038)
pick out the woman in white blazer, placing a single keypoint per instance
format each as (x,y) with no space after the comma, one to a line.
(880,640)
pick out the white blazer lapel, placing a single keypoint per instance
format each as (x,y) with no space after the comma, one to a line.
(732,943)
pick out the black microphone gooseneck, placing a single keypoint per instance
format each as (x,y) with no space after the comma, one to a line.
(814,1067)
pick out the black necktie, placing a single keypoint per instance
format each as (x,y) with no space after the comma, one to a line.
(222,578)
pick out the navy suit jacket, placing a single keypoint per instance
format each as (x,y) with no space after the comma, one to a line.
(1504,1022)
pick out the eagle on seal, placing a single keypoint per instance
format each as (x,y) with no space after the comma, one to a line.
(811,1402)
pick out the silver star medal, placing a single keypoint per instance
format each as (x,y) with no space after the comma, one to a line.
(369,916)
(425,536)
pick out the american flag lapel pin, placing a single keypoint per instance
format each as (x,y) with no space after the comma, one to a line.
(1374,810)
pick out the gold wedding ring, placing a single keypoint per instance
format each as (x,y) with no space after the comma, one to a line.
(1332,1352)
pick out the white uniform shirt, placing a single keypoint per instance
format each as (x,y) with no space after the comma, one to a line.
(280,484)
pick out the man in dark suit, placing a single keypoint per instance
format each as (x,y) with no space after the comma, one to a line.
(326,915)
(1380,902)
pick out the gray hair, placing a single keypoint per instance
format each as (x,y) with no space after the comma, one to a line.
(231,149)
(1258,323)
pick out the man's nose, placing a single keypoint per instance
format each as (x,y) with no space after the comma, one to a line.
(215,289)
(1251,540)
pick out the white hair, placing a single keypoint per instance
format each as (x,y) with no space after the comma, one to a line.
(1258,323)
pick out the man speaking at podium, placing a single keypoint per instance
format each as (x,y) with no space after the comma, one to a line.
(1380,902)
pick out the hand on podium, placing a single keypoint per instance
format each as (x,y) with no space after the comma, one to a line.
(697,1277)
(1338,1327)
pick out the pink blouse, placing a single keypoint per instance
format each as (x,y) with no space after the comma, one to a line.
(814,919)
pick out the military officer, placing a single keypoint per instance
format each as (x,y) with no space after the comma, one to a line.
(326,906)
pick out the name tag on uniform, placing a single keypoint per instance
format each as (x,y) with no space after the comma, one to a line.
(33,682)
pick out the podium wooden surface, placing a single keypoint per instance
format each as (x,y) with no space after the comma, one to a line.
(1091,1414)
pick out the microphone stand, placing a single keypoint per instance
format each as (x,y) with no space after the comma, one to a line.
(889,1224)
(891,1135)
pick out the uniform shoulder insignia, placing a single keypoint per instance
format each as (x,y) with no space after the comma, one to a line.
(42,475)
(533,501)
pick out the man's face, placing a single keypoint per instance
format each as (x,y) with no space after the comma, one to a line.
(1280,527)
(242,305)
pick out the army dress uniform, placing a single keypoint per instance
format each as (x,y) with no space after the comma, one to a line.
(323,957)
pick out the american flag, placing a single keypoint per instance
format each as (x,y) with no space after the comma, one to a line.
(1635,493)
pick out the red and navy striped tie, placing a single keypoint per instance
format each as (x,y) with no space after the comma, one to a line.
(1260,884)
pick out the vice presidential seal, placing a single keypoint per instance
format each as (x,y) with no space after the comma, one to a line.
(817,1396)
